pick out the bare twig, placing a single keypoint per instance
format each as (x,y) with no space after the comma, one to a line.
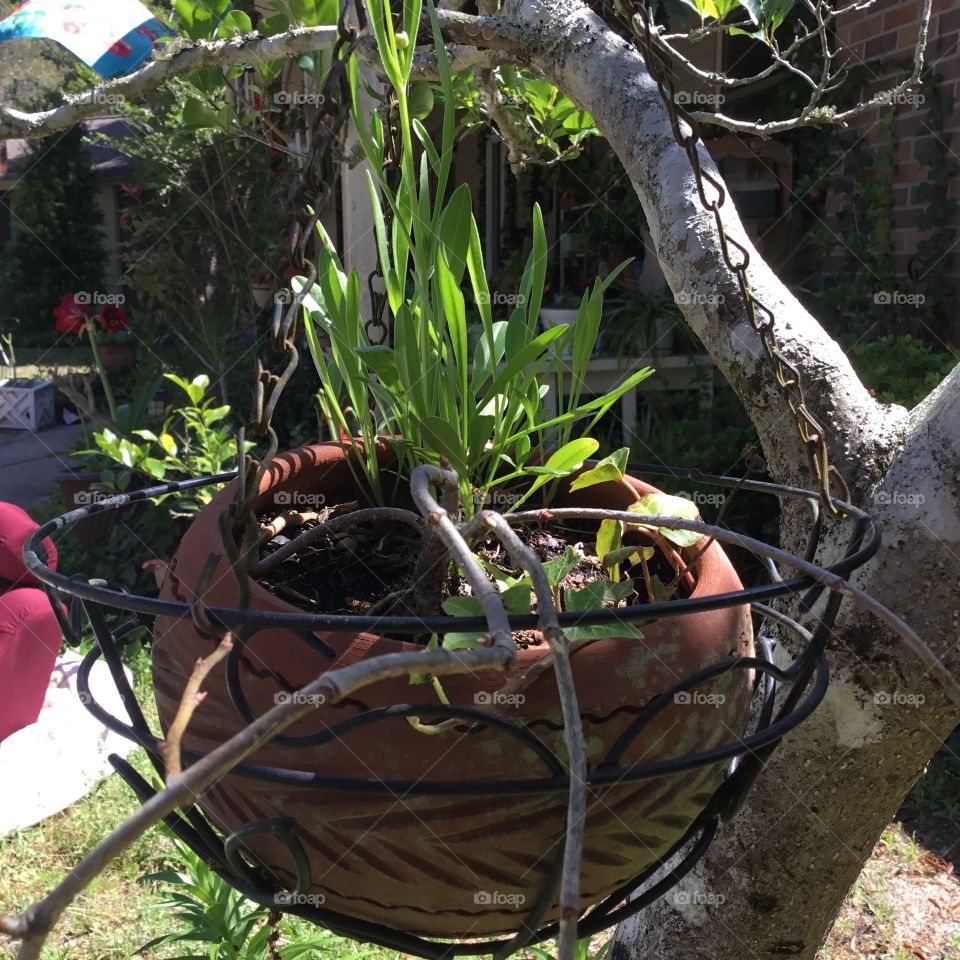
(192,697)
(824,577)
(218,53)
(33,926)
(438,517)
(515,136)
(527,560)
(334,525)
(819,115)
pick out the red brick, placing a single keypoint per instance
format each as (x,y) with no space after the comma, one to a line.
(908,172)
(878,46)
(901,15)
(908,37)
(949,21)
(864,29)
(909,217)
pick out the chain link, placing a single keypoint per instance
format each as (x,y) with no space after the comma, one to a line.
(737,259)
(238,522)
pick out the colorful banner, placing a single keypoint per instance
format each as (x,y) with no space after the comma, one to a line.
(113,37)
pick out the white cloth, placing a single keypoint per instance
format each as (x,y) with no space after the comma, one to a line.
(63,756)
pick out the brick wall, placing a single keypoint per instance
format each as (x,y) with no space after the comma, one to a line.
(881,39)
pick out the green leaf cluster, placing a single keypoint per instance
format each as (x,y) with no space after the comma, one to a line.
(481,409)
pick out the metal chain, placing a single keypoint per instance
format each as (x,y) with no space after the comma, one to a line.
(238,522)
(760,317)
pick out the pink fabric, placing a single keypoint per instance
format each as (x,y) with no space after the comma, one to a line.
(29,632)
(29,644)
(15,527)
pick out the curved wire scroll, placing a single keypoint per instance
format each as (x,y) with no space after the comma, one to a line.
(785,696)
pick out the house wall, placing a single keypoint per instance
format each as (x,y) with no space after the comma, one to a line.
(881,40)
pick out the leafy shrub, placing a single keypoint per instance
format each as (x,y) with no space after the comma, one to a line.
(902,369)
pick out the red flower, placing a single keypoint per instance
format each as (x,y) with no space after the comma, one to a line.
(71,316)
(113,318)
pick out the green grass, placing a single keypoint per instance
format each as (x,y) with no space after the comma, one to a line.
(121,911)
(108,919)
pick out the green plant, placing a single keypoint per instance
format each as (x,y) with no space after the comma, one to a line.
(220,922)
(582,951)
(902,369)
(634,321)
(488,419)
(62,248)
(195,440)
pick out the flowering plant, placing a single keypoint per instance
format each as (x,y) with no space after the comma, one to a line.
(74,316)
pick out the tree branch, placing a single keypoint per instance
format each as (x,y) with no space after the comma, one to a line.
(192,697)
(816,114)
(605,75)
(220,53)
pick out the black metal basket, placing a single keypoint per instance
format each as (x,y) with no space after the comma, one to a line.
(784,698)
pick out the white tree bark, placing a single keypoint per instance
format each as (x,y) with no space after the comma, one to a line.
(780,872)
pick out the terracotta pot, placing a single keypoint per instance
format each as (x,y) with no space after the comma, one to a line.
(76,490)
(441,865)
(118,356)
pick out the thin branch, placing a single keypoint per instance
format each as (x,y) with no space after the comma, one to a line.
(815,115)
(335,525)
(527,560)
(192,697)
(252,49)
(721,79)
(460,56)
(516,136)
(438,517)
(33,926)
(487,522)
(493,32)
(824,577)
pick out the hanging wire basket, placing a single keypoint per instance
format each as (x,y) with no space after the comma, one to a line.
(783,698)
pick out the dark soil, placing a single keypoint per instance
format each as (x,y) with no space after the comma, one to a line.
(353,571)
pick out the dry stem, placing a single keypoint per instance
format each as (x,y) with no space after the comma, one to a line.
(192,697)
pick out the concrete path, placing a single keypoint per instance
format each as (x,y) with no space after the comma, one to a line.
(30,463)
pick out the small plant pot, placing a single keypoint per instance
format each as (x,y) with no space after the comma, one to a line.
(555,316)
(262,294)
(469,864)
(664,336)
(26,404)
(118,356)
(77,490)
